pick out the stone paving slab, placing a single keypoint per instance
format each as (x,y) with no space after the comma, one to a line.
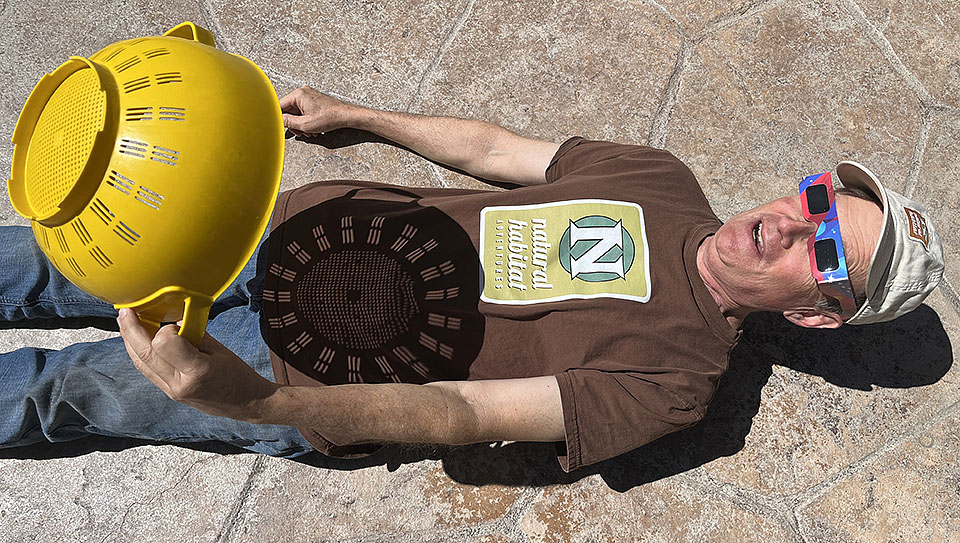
(882,502)
(371,52)
(785,111)
(413,500)
(576,50)
(925,36)
(941,175)
(142,494)
(664,511)
(751,94)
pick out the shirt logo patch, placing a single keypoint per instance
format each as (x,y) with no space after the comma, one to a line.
(917,227)
(564,250)
(596,249)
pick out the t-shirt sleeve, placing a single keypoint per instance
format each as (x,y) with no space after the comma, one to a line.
(577,154)
(560,163)
(609,413)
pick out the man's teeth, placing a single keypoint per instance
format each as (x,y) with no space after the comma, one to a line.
(758,236)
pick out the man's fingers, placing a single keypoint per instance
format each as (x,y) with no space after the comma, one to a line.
(176,350)
(290,103)
(296,123)
(139,346)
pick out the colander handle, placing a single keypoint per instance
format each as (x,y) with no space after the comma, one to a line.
(196,311)
(190,31)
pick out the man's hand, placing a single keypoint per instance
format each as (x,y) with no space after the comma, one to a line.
(307,112)
(208,377)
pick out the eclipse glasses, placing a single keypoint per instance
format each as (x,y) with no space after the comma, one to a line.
(827,262)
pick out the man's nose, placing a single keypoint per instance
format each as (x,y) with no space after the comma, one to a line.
(796,230)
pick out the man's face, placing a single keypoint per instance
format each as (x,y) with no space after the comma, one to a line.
(759,260)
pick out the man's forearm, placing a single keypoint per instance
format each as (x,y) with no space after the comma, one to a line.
(479,148)
(368,413)
(468,145)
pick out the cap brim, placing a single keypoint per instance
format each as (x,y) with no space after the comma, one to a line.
(854,175)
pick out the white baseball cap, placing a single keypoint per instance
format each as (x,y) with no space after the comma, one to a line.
(907,262)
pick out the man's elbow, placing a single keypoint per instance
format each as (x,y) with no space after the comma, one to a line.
(458,421)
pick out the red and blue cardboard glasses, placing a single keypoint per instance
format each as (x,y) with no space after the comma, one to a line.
(827,261)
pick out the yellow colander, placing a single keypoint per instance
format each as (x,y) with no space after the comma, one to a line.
(149,172)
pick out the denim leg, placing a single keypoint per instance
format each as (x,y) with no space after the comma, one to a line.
(31,288)
(247,288)
(93,388)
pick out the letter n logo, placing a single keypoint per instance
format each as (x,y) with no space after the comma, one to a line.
(596,248)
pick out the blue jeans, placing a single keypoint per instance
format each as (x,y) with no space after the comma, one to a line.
(93,388)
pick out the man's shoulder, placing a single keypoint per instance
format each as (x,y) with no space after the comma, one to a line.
(597,156)
(585,148)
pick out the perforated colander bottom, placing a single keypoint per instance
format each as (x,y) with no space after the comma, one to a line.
(63,140)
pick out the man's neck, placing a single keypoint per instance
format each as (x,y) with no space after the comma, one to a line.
(730,309)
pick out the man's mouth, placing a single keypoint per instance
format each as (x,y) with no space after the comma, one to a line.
(758,237)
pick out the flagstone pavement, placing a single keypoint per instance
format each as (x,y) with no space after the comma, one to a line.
(814,436)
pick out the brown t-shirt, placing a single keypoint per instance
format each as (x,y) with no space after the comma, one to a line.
(591,278)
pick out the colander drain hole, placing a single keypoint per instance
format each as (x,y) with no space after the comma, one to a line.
(62,240)
(97,253)
(132,147)
(127,64)
(126,233)
(141,83)
(82,232)
(164,113)
(119,182)
(285,273)
(298,252)
(281,296)
(139,114)
(169,77)
(76,267)
(139,149)
(167,156)
(102,211)
(442,294)
(136,84)
(435,272)
(407,357)
(114,54)
(149,198)
(172,114)
(154,53)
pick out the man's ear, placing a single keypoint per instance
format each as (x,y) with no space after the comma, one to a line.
(811,318)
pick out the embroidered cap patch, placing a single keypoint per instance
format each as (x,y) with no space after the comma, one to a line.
(917,226)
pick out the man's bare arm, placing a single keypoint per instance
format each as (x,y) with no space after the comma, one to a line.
(453,412)
(214,380)
(479,148)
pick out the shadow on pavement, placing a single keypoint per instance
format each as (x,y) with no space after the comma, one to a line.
(391,456)
(912,351)
(56,323)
